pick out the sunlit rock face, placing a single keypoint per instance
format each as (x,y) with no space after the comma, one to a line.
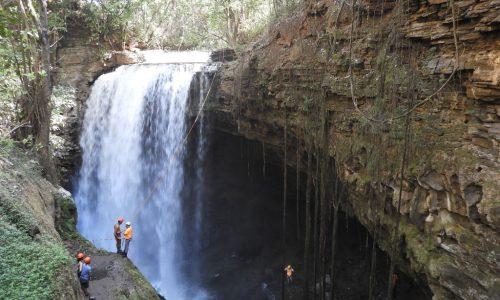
(449,199)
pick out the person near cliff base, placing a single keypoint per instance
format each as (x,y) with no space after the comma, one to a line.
(79,262)
(289,273)
(118,235)
(85,270)
(395,280)
(128,237)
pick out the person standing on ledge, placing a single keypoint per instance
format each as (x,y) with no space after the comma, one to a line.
(128,237)
(118,235)
(79,259)
(85,275)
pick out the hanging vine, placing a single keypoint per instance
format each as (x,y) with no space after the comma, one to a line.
(297,187)
(307,240)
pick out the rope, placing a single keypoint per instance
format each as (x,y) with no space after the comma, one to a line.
(160,178)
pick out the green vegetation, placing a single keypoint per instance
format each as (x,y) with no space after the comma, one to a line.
(30,32)
(29,265)
(31,258)
(183,24)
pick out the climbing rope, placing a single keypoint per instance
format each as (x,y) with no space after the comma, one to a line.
(161,177)
(178,149)
(159,180)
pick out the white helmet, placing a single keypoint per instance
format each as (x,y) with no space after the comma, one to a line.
(127,224)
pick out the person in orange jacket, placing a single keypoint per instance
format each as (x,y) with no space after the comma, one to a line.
(128,237)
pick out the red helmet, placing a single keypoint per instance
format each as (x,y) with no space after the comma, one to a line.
(121,219)
(80,256)
(87,260)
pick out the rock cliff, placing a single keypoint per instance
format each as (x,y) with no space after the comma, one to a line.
(450,210)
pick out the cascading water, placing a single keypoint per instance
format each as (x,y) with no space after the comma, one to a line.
(133,166)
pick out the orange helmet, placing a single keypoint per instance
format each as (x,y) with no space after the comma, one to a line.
(87,260)
(80,256)
(121,219)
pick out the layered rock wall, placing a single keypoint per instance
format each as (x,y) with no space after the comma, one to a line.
(450,200)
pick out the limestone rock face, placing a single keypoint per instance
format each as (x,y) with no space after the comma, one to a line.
(450,198)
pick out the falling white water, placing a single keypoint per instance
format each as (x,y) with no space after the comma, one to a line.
(133,154)
(200,149)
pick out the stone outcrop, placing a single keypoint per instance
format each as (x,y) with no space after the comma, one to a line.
(450,205)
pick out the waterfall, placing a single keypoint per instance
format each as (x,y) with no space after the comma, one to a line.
(134,166)
(200,151)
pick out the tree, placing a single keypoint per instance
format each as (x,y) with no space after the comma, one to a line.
(26,52)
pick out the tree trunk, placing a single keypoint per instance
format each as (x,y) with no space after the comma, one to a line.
(39,113)
(44,104)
